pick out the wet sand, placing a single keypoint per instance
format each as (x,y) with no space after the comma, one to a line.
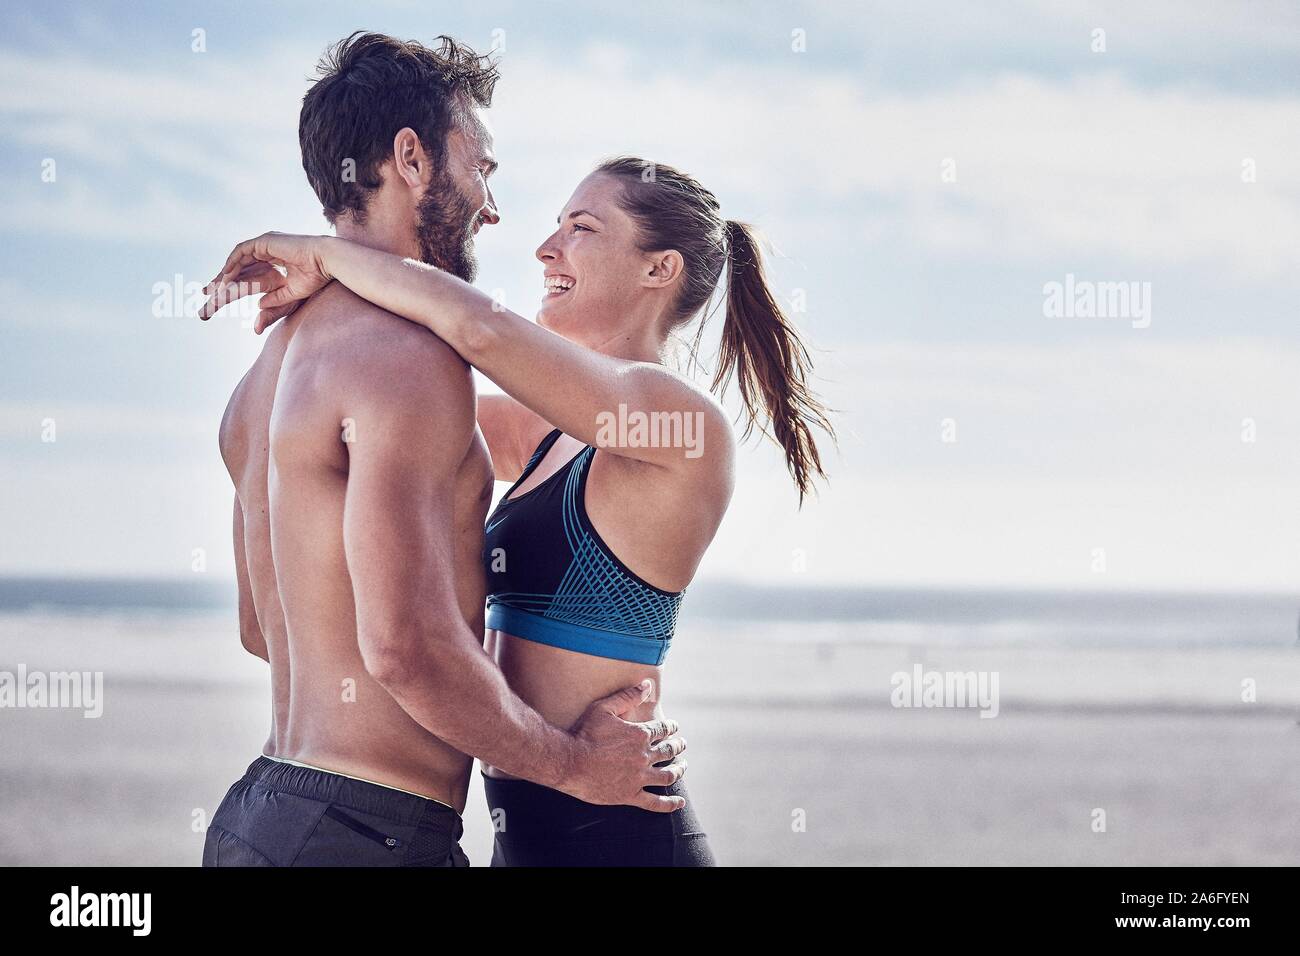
(796,756)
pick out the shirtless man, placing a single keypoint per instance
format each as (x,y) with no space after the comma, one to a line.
(358,465)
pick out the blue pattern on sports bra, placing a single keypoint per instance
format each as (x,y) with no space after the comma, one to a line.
(571,591)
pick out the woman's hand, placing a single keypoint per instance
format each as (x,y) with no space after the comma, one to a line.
(254,266)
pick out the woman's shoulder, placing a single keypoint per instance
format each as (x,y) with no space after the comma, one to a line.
(687,419)
(704,416)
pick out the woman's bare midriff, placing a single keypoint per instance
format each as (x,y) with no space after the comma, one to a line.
(561,684)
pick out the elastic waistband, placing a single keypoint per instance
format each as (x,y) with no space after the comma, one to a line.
(531,810)
(575,637)
(400,806)
(339,773)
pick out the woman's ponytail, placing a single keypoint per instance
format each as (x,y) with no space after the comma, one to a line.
(760,347)
(769,360)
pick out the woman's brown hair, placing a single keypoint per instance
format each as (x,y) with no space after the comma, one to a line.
(760,346)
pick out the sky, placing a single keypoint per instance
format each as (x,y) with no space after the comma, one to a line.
(926,177)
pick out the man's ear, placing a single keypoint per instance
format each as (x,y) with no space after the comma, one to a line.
(664,268)
(408,157)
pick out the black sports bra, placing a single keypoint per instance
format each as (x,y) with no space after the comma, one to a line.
(551,579)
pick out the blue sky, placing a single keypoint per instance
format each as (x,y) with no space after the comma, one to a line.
(923,291)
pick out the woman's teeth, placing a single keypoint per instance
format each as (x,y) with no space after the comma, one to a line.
(556,285)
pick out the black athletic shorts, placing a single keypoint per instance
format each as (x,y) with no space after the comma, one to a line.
(538,826)
(279,814)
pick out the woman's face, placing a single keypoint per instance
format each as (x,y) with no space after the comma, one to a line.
(594,273)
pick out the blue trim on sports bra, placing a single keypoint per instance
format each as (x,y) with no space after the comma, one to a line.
(559,583)
(575,637)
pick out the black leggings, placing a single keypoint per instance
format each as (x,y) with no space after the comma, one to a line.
(538,826)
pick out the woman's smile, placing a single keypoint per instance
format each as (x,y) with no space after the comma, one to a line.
(557,283)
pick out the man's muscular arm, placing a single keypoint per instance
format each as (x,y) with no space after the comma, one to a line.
(413,425)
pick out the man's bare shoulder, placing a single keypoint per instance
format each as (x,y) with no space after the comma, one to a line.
(351,359)
(350,337)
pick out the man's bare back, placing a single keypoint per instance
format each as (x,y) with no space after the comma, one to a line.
(356,379)
(245,446)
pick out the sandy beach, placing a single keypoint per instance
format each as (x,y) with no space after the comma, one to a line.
(796,755)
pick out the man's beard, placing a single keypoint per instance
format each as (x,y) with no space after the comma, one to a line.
(445,228)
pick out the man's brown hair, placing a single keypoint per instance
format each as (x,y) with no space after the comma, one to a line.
(369,87)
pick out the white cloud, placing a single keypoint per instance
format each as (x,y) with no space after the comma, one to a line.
(1136,448)
(146,154)
(1074,167)
(1094,164)
(75,516)
(1013,531)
